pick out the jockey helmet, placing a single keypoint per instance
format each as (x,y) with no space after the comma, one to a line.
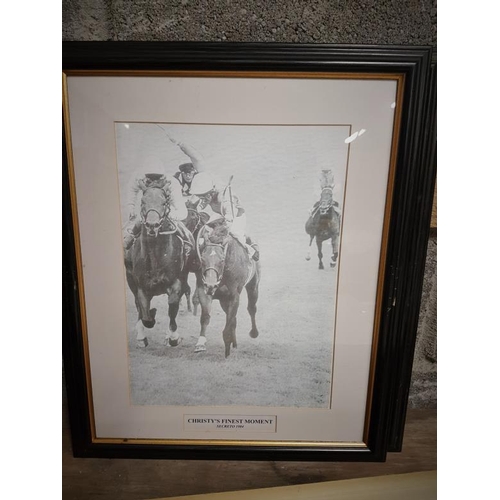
(202,184)
(187,167)
(152,165)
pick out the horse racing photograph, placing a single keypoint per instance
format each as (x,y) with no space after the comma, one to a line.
(231,253)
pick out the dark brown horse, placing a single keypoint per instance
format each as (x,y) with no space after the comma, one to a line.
(155,264)
(225,269)
(324,224)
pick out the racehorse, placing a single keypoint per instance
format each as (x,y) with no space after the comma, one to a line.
(225,268)
(155,264)
(193,222)
(324,224)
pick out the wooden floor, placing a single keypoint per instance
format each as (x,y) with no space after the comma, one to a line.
(411,486)
(126,479)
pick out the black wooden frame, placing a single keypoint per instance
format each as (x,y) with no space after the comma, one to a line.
(406,250)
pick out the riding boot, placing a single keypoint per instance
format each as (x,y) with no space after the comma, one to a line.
(188,248)
(253,249)
(313,208)
(128,241)
(250,250)
(187,239)
(131,234)
(256,254)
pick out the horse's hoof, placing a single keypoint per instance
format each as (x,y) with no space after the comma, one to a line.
(333,264)
(174,342)
(308,257)
(200,348)
(143,342)
(254,333)
(149,323)
(321,266)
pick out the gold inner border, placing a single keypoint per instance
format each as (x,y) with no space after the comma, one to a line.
(227,442)
(236,74)
(399,78)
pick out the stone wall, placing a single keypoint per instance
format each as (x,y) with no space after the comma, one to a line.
(411,22)
(313,21)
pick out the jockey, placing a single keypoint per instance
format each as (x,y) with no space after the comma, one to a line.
(150,176)
(185,177)
(188,170)
(326,181)
(227,205)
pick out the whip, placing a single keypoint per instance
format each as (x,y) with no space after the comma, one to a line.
(230,194)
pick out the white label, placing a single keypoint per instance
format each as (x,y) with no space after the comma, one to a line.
(255,423)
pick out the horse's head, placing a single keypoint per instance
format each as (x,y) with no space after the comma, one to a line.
(326,200)
(154,209)
(212,248)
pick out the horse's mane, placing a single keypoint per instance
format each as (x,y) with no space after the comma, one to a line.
(159,185)
(219,234)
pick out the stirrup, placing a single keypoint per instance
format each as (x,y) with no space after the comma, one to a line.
(188,248)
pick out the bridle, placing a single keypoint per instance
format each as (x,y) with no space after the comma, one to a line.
(219,276)
(162,216)
(330,205)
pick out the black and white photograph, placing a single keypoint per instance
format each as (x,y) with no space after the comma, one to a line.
(232,247)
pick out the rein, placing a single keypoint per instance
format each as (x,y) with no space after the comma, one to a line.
(169,232)
(198,218)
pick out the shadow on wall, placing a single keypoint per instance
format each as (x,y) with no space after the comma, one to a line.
(423,390)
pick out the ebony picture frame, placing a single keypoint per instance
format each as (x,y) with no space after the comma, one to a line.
(406,248)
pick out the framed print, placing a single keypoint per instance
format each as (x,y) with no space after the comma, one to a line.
(245,232)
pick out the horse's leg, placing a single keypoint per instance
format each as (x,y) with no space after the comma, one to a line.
(335,249)
(319,243)
(230,306)
(146,317)
(253,295)
(140,335)
(187,293)
(174,298)
(196,302)
(137,305)
(206,306)
(308,255)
